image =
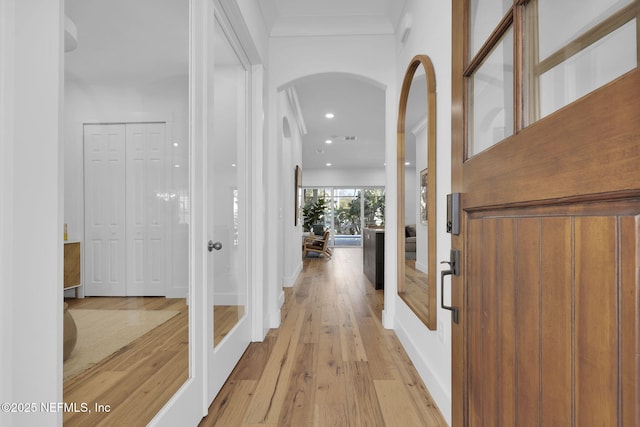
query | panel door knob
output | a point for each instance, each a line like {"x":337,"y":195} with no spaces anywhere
{"x":217,"y":246}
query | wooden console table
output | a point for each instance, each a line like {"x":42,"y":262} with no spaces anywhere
{"x":373,"y":256}
{"x":72,"y":277}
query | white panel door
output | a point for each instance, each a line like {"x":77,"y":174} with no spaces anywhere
{"x":147,"y":182}
{"x":104,"y":181}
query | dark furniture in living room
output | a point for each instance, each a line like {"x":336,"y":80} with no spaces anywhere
{"x":373,"y":256}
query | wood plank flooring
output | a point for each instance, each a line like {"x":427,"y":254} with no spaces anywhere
{"x":225,"y":318}
{"x":331,"y":363}
{"x":137,"y":380}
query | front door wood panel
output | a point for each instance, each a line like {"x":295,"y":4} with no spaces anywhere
{"x":551,"y":312}
{"x":550,"y":262}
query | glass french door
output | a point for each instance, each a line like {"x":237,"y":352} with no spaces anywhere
{"x":227,"y":168}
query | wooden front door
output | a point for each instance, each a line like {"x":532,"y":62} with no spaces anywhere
{"x":548,"y":333}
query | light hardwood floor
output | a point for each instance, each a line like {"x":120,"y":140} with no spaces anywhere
{"x":137,"y":380}
{"x":331,"y":363}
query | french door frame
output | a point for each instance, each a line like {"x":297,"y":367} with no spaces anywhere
{"x":179,"y":409}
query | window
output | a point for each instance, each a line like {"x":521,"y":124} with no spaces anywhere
{"x":530,"y":58}
{"x":344,"y":211}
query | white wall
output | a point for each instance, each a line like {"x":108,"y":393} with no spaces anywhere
{"x":331,"y":177}
{"x":164,"y":100}
{"x":291,"y":149}
{"x":6,"y":200}
{"x":256,"y":30}
{"x":30,"y":207}
{"x":431,"y":35}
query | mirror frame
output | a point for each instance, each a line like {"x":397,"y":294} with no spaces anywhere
{"x":419,"y":60}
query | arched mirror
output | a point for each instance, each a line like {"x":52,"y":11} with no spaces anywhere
{"x":417,"y":190}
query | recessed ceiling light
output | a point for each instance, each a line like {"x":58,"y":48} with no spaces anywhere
{"x":407,"y":163}
{"x":328,"y":164}
{"x":328,"y":141}
{"x":176,"y":166}
{"x":175,"y":144}
{"x":233,"y":165}
{"x":329,"y":115}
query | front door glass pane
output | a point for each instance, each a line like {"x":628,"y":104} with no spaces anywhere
{"x":575,"y":47}
{"x":485,"y":16}
{"x":589,"y":69}
{"x":560,"y":22}
{"x":491,"y":98}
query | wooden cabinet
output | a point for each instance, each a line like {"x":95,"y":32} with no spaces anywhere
{"x":72,"y":265}
{"x":373,"y":256}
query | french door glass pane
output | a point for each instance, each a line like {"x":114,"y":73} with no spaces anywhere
{"x":560,"y":22}
{"x":227,"y":192}
{"x":491,"y":98}
{"x":133,"y":251}
{"x":484,"y":17}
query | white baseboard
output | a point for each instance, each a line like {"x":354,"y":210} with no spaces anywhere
{"x":275,"y":319}
{"x":441,"y":397}
{"x":422,"y":267}
{"x":289,"y":281}
{"x":177,"y":293}
{"x":281,"y":299}
{"x":387,"y":319}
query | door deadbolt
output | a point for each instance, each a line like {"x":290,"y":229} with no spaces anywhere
{"x":211,"y":246}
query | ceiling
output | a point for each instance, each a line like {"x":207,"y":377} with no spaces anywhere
{"x":152,"y":43}
{"x":313,"y":17}
{"x":128,"y":40}
{"x":359,"y":107}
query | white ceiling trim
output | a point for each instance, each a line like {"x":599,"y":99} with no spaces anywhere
{"x":292,"y":96}
{"x":311,"y":26}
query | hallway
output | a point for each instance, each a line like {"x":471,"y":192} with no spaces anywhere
{"x":331,"y":363}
